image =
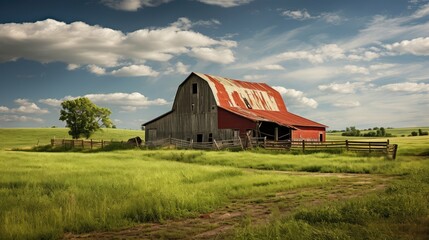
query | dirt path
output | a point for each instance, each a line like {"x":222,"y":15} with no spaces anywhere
{"x":258,"y":210}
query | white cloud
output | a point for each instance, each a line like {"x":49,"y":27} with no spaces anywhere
{"x":132,"y":5}
{"x":253,"y":77}
{"x":72,"y":67}
{"x":134,"y":71}
{"x":4,"y":109}
{"x":218,"y":55}
{"x":16,"y":118}
{"x":181,"y":68}
{"x":134,"y":99}
{"x":128,"y":109}
{"x":297,"y":15}
{"x":96,"y":70}
{"x":52,"y":101}
{"x":340,"y":87}
{"x":297,"y":96}
{"x":332,"y":18}
{"x":313,"y":74}
{"x":422,"y":11}
{"x":382,"y":28}
{"x":25,"y":107}
{"x":347,"y":104}
{"x":417,"y":46}
{"x":226,"y":3}
{"x":96,"y":47}
{"x":356,"y":69}
{"x":270,"y":67}
{"x":302,"y":15}
{"x":409,"y":87}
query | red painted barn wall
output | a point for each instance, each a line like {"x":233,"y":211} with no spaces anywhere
{"x":228,"y":120}
{"x":309,"y":134}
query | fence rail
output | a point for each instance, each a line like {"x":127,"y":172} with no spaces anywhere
{"x":356,"y":146}
{"x":183,"y":144}
{"x":81,"y":143}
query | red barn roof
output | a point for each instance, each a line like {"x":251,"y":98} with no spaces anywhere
{"x":255,"y":101}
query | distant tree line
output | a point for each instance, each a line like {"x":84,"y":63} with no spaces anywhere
{"x":374,"y":132}
{"x":420,"y":133}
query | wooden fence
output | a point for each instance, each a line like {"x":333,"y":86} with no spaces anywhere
{"x":183,"y":144}
{"x":357,"y":146}
{"x":84,"y":144}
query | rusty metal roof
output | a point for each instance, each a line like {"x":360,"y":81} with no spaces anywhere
{"x":256,"y":101}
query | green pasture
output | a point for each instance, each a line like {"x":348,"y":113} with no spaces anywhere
{"x":45,"y":195}
{"x":29,"y":137}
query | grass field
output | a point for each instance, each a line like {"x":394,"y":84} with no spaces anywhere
{"x":246,"y":195}
{"x":29,"y":137}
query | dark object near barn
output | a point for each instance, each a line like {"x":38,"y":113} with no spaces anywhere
{"x":137,"y":141}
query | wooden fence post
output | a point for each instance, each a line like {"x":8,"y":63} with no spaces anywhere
{"x":191,"y":143}
{"x":265,"y":142}
{"x":102,"y":143}
{"x":91,"y":144}
{"x":347,"y":145}
{"x":215,"y":143}
{"x":52,"y":142}
{"x":241,"y":143}
{"x":395,"y":148}
{"x":83,"y":144}
{"x":303,"y":146}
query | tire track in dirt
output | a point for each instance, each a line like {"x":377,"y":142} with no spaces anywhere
{"x":259,"y":210}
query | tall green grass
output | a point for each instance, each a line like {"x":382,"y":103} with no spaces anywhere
{"x":400,"y":212}
{"x":44,"y":195}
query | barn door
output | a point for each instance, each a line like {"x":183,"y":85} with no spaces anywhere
{"x":152,"y":134}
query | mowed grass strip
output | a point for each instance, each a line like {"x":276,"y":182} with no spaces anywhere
{"x":44,"y":195}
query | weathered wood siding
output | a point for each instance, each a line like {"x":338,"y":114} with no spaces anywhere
{"x":193,"y":114}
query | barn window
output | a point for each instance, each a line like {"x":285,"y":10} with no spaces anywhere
{"x":236,"y":133}
{"x":210,"y":137}
{"x":247,"y":103}
{"x":199,"y":137}
{"x":194,"y":88}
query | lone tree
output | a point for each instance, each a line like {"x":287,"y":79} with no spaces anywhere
{"x":83,"y":117}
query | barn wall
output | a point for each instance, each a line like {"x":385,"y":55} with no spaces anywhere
{"x":228,"y":120}
{"x":192,"y":114}
{"x":309,"y":134}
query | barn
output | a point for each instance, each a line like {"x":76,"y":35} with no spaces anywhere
{"x":208,"y":107}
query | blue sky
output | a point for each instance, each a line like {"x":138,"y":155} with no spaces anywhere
{"x":341,"y":63}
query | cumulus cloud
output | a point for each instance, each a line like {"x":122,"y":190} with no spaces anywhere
{"x":297,"y":15}
{"x":340,"y":87}
{"x":356,"y":69}
{"x":410,"y":87}
{"x":99,"y":48}
{"x":347,"y":104}
{"x":218,"y":55}
{"x":134,"y":99}
{"x":25,"y":107}
{"x":181,"y":68}
{"x":134,"y":71}
{"x":297,"y":96}
{"x":16,"y":118}
{"x":417,"y":46}
{"x":132,"y":5}
{"x":226,"y":3}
